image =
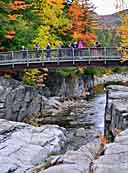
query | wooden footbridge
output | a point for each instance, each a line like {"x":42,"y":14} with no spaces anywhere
{"x":65,"y":57}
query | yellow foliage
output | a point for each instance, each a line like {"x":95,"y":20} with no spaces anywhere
{"x":45,"y":74}
{"x":108,"y":71}
{"x":81,"y":70}
{"x":35,"y":77}
{"x":53,"y":20}
{"x":45,"y":69}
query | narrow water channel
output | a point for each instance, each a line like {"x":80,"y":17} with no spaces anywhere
{"x":93,"y":115}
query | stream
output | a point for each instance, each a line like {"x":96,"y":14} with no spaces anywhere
{"x":94,"y":115}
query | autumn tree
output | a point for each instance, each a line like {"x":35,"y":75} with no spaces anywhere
{"x":53,"y":21}
{"x":4,"y":10}
{"x":124,"y":36}
{"x":123,"y":29}
{"x":18,"y":24}
{"x":83,"y":24}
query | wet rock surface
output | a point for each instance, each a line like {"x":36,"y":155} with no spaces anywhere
{"x":28,"y":100}
{"x":116,"y":113}
{"x":115,"y":159}
{"x":92,"y":116}
{"x":82,"y":119}
{"x":23,"y":146}
{"x":73,"y":161}
{"x":67,"y":113}
{"x":70,"y":85}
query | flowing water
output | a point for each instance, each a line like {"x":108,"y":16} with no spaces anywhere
{"x":93,"y":115}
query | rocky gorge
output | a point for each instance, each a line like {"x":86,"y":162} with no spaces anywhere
{"x":22,"y":146}
{"x":54,"y":149}
{"x":98,"y":158}
{"x":28,"y":100}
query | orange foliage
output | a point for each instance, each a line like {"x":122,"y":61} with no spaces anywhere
{"x":13,"y":16}
{"x":19,"y":5}
{"x":87,"y":37}
{"x":11,"y":32}
{"x":75,"y":11}
{"x":103,"y":140}
{"x":9,"y":36}
{"x":80,"y":17}
{"x":19,"y":2}
{"x":15,"y":7}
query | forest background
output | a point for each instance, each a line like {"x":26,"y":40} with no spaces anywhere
{"x":28,"y":22}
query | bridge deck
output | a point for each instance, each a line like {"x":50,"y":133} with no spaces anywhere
{"x":65,"y":57}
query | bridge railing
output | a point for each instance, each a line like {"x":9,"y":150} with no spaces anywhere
{"x":64,"y":54}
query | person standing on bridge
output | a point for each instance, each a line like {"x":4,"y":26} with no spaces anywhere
{"x":98,"y":49}
{"x":95,"y":52}
{"x":48,"y":50}
{"x":75,"y":46}
{"x":60,"y":50}
{"x":69,"y":50}
{"x":97,"y":44}
{"x":37,"y":47}
{"x":24,"y":52}
{"x":80,"y":47}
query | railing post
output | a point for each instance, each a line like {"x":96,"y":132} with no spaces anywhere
{"x":42,"y":57}
{"x":58,"y":60}
{"x":27,"y":53}
{"x":64,"y":53}
{"x":73,"y":56}
{"x":89,"y":50}
{"x":105,"y":55}
{"x":12,"y":54}
{"x":27,"y":58}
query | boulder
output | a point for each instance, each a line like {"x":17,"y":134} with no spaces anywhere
{"x":23,"y":146}
{"x":18,"y":100}
{"x":53,"y":102}
{"x":75,"y":161}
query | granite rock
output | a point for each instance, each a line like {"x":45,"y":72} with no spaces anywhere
{"x":23,"y":146}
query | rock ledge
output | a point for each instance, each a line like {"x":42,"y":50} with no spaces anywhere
{"x":23,"y":146}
